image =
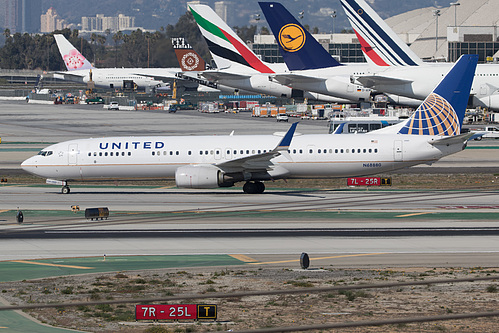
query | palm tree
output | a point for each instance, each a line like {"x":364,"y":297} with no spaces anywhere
{"x":116,"y":38}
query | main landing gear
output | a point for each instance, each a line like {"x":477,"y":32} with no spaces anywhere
{"x":65,"y":189}
{"x":254,"y":187}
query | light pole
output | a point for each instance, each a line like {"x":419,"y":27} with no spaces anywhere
{"x":257,"y":19}
{"x":301,"y":14}
{"x":436,"y":13}
{"x":333,"y":15}
{"x":455,"y":4}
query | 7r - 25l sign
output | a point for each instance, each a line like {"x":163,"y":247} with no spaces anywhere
{"x":176,"y":312}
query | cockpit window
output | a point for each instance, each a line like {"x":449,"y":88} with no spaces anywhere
{"x":45,"y":152}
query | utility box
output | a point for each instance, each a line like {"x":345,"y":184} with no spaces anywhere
{"x":96,"y":213}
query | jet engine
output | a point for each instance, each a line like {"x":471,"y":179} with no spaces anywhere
{"x":201,"y":176}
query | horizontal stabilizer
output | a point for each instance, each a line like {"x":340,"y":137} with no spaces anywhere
{"x":289,"y":79}
{"x":217,"y":75}
{"x":370,"y":81}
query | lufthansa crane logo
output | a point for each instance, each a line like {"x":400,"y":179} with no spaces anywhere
{"x":292,"y":37}
{"x":190,"y":61}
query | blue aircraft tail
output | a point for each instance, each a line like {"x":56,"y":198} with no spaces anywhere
{"x":442,"y":112}
{"x":298,"y":48}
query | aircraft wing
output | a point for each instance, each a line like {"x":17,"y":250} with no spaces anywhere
{"x":370,"y":81}
{"x":218,"y":75}
{"x":159,"y":77}
{"x":289,"y":79}
{"x":260,"y":162}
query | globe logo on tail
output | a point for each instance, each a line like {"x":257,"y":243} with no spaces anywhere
{"x":434,"y":117}
{"x":291,"y":37}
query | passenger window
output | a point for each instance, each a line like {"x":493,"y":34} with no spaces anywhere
{"x":259,"y":151}
{"x":176,"y":153}
{"x":89,"y":154}
{"x":294,"y":151}
{"x":153,"y":153}
{"x":370,"y":150}
{"x":129,"y":153}
{"x":347,"y":151}
{"x":189,"y":152}
{"x":105,"y":154}
{"x":364,"y":151}
{"x":122,"y":153}
{"x":301,"y":151}
{"x":310,"y":151}
{"x":376,"y":150}
{"x":336,"y":151}
{"x":95,"y":154}
{"x":200,"y":152}
{"x":171,"y":153}
{"x":100,"y":154}
{"x":247,"y":151}
{"x":111,"y":154}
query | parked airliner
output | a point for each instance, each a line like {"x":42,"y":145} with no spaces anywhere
{"x":79,"y":69}
{"x":310,"y":66}
{"x":239,"y":67}
{"x":398,"y":70}
{"x":432,"y":132}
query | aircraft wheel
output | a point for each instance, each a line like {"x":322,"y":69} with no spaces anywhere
{"x":65,"y":190}
{"x":260,"y":187}
{"x":250,"y":188}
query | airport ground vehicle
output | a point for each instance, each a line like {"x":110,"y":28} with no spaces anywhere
{"x":95,"y":100}
{"x":282,"y":117}
{"x":492,"y":132}
{"x":113,"y":106}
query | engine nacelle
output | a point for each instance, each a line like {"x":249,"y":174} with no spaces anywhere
{"x":200,"y":176}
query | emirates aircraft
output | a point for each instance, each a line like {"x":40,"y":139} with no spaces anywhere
{"x":398,"y":70}
{"x":239,"y":67}
{"x":79,"y":69}
{"x":432,"y":132}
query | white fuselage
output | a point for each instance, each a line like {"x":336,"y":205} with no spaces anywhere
{"x":322,"y":155}
{"x":114,"y":77}
{"x":425,"y":77}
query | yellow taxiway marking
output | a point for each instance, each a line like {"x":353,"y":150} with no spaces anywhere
{"x":413,"y":214}
{"x":3,"y":211}
{"x":321,"y":258}
{"x":47,"y":264}
{"x":242,"y":257}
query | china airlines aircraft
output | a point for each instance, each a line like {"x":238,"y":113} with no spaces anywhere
{"x":79,"y":70}
{"x":432,"y":132}
{"x":398,"y":70}
{"x":239,"y":67}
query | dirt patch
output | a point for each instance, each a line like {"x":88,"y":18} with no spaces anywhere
{"x":267,"y":311}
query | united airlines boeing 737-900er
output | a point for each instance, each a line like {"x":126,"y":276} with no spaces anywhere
{"x":432,"y":132}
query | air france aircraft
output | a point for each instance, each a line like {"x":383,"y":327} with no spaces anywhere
{"x":79,"y":69}
{"x":239,"y":67}
{"x":398,"y":70}
{"x":432,"y":132}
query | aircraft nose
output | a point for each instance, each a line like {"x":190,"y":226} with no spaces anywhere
{"x":29,"y":165}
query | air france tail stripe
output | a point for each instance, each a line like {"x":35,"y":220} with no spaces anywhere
{"x":365,"y":30}
{"x":381,"y":33}
{"x":369,"y":51}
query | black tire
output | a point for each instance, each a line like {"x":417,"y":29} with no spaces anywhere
{"x":65,"y":190}
{"x":260,"y":187}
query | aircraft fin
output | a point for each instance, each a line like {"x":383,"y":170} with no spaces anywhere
{"x":380,"y":44}
{"x":297,"y":46}
{"x":73,"y":59}
{"x":188,"y":59}
{"x":226,"y":48}
{"x":442,"y":112}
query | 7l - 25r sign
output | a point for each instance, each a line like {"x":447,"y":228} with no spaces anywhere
{"x":369,"y":181}
{"x":175,"y":312}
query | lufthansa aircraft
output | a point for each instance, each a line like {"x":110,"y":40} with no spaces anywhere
{"x":432,"y":132}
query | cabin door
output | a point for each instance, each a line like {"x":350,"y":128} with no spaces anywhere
{"x":398,"y":154}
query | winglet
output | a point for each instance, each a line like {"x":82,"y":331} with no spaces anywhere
{"x":73,"y":59}
{"x":297,"y":46}
{"x":286,"y":140}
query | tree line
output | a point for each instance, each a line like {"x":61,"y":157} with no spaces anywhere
{"x":137,"y":49}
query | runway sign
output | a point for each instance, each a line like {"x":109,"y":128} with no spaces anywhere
{"x":175,"y":312}
{"x":369,"y":181}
